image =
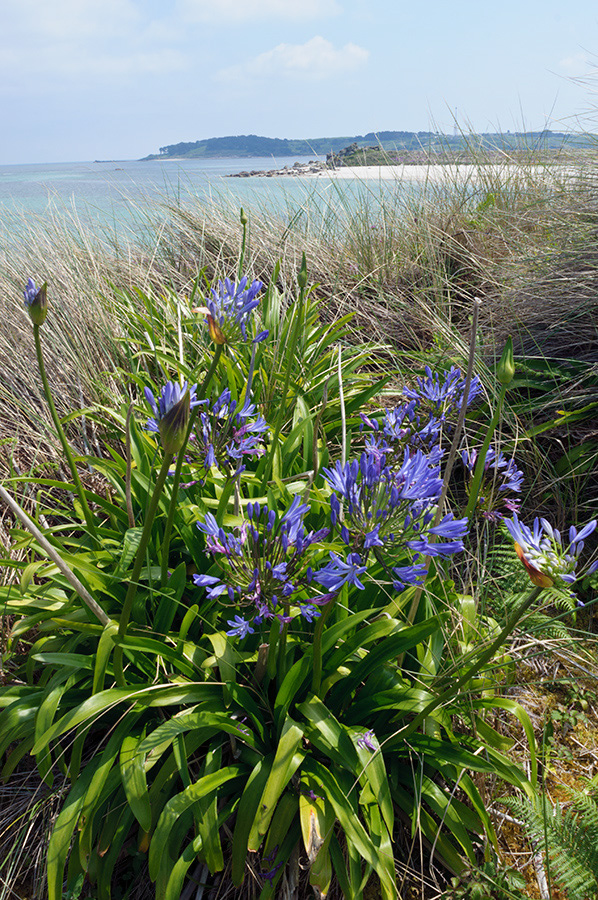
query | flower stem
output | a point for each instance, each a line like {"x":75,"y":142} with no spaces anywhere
{"x":452,"y":453}
{"x":290,"y":355}
{"x":243,"y":243}
{"x":60,"y":432}
{"x":179,"y":465}
{"x":138,"y":565}
{"x":273,"y":642}
{"x":316,"y":682}
{"x":474,"y":487}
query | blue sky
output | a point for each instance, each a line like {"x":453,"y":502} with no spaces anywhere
{"x":117,"y":79}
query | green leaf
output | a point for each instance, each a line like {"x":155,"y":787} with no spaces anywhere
{"x":62,"y":832}
{"x":286,"y":762}
{"x":403,"y":639}
{"x":246,"y":814}
{"x":105,"y":647}
{"x":178,"y":804}
{"x":132,"y":771}
{"x":340,"y":744}
{"x":517,"y":710}
{"x":130,"y":545}
{"x":355,"y":832}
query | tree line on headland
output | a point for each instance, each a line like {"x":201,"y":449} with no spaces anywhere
{"x":251,"y":145}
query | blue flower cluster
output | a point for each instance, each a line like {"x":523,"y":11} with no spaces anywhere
{"x":501,"y":475}
{"x":390,"y":511}
{"x":420,"y":422}
{"x":171,"y":414}
{"x":170,"y":395}
{"x":30,"y":292}
{"x":36,"y":301}
{"x":265,"y":566}
{"x":225,"y":434}
{"x":228,"y":310}
{"x":443,"y":394}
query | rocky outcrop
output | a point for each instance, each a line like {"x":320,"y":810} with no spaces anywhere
{"x":309,"y":168}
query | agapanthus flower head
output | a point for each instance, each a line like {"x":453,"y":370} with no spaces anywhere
{"x":390,"y":511}
{"x":267,"y":567}
{"x":548,"y":560}
{"x":36,"y":301}
{"x":443,"y":393}
{"x":501,"y":476}
{"x":226,"y":434}
{"x":403,"y":426}
{"x":228,"y":311}
{"x":366,"y":741}
{"x":171,"y":413}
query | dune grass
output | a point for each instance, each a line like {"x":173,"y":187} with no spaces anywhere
{"x":407,"y":261}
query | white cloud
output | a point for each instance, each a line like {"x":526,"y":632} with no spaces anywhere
{"x":315,"y":60}
{"x":578,"y":64}
{"x":233,"y":12}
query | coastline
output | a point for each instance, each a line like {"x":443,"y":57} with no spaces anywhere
{"x":420,"y":172}
{"x":434,"y":172}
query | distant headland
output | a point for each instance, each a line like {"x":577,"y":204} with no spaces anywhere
{"x":398,"y":145}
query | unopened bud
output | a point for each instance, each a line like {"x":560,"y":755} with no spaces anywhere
{"x":302,"y":275}
{"x":215,"y":330}
{"x":173,"y":425}
{"x":36,"y":302}
{"x":243,"y":217}
{"x":505,"y":371}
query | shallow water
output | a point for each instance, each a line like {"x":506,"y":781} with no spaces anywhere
{"x":113,"y":193}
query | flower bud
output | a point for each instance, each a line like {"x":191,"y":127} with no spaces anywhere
{"x":243,"y":217}
{"x":36,"y":302}
{"x":302,"y":274}
{"x":173,"y":425}
{"x":505,"y":371}
{"x":215,"y":330}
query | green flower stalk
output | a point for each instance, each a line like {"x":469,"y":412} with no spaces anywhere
{"x":297,"y":328}
{"x":505,"y":372}
{"x":179,"y":463}
{"x":36,"y":303}
{"x":243,"y":220}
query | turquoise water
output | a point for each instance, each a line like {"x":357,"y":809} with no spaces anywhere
{"x":112,"y":193}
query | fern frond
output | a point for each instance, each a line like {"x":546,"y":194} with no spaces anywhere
{"x":568,"y":840}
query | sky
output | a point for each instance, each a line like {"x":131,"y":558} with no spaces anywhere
{"x":117,"y":79}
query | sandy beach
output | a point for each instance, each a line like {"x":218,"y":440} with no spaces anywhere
{"x":423,"y":173}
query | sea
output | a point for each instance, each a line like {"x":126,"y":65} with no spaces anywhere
{"x":114,"y":193}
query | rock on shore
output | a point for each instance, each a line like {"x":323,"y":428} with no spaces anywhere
{"x":309,"y":168}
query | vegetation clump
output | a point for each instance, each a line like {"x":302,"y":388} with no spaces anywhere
{"x":256,"y":634}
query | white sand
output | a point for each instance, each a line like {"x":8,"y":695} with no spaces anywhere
{"x":433,"y":173}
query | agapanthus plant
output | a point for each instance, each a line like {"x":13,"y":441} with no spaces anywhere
{"x":228,"y":311}
{"x":390,"y":512}
{"x":500,"y":477}
{"x":548,"y":560}
{"x":401,"y":427}
{"x":266,"y":567}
